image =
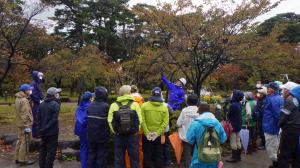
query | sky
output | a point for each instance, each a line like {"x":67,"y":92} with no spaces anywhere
{"x":283,"y":7}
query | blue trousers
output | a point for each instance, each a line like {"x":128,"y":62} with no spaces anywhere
{"x":129,"y":143}
{"x":83,"y":151}
{"x":35,"y":127}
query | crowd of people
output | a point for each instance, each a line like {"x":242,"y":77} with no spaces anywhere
{"x":140,"y":128}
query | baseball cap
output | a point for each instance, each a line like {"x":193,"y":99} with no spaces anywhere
{"x":156,"y":95}
{"x":273,"y":86}
{"x":87,"y":95}
{"x":25,"y":87}
{"x":53,"y":91}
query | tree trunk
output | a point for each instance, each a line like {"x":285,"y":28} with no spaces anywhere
{"x":58,"y":81}
{"x":197,"y":88}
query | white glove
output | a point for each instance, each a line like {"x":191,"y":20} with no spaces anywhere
{"x":27,"y":130}
{"x":41,"y":101}
{"x":149,"y":137}
{"x":154,"y":136}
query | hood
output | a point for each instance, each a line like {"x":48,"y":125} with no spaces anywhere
{"x":207,"y":119}
{"x":296,"y":93}
{"x":21,"y":95}
{"x":101,"y":94}
{"x":125,"y":98}
{"x":237,"y":96}
{"x":83,"y":105}
{"x":35,"y":76}
{"x":155,"y":103}
{"x":50,"y":98}
{"x":191,"y":111}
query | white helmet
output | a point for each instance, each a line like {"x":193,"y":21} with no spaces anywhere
{"x":183,"y":81}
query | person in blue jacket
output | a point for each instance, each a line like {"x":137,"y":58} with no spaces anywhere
{"x":234,"y":116}
{"x":81,"y":126}
{"x":274,"y":105}
{"x":176,"y":92}
{"x":36,"y":99}
{"x":196,"y":131}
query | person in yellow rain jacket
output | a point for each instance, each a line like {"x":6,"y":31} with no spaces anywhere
{"x":124,"y":118}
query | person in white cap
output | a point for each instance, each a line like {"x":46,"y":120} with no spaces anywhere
{"x":287,"y":87}
{"x":176,"y":92}
{"x":48,"y":127}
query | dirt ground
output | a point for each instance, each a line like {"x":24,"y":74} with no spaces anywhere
{"x":257,"y":160}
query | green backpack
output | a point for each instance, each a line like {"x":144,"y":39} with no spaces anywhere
{"x":209,"y":149}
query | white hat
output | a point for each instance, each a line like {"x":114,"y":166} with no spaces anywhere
{"x":263,"y":90}
{"x":289,"y":85}
{"x":183,"y":81}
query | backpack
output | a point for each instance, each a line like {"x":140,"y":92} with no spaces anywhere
{"x":209,"y":149}
{"x":125,"y":120}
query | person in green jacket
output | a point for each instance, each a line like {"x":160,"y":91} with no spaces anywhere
{"x":155,"y":117}
{"x":248,"y":120}
{"x":124,"y":118}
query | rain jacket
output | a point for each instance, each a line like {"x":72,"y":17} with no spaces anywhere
{"x":290,"y":114}
{"x":36,"y":98}
{"x":123,"y":100}
{"x":23,"y":111}
{"x":176,"y":94}
{"x":186,"y":117}
{"x":81,"y":119}
{"x":138,"y":98}
{"x":37,"y":94}
{"x":98,"y":129}
{"x":48,"y":116}
{"x":235,"y":110}
{"x":196,"y":131}
{"x":155,"y":117}
{"x":273,"y":106}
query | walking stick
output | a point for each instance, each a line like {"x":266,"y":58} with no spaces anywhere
{"x":26,"y":141}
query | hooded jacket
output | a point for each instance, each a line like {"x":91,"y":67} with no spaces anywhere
{"x":235,"y":110}
{"x":273,"y":106}
{"x":176,"y":94}
{"x":48,"y":116}
{"x":97,"y":125}
{"x":155,"y":117}
{"x":81,"y":118}
{"x":37,"y":94}
{"x":185,"y":119}
{"x":23,"y":111}
{"x":123,"y":100}
{"x":196,"y":131}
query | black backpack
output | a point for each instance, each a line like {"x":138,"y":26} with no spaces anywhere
{"x":125,"y":121}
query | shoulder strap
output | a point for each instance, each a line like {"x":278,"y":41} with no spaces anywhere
{"x":128,"y":104}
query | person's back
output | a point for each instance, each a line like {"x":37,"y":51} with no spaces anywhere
{"x":187,"y":116}
{"x":98,"y":130}
{"x":48,"y":127}
{"x":196,"y":131}
{"x":155,"y":115}
{"x":48,"y":116}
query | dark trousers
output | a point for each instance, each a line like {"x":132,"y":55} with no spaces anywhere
{"x":166,"y":152}
{"x":98,"y":153}
{"x":48,"y":151}
{"x":187,"y":154}
{"x":261,"y":134}
{"x":35,"y":126}
{"x":83,"y":151}
{"x":289,"y":148}
{"x":129,"y":143}
{"x":153,"y":152}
